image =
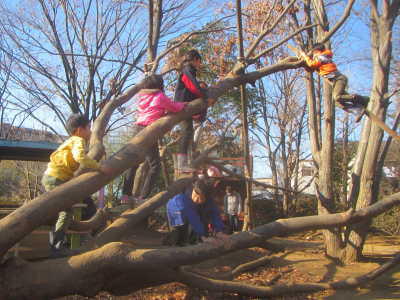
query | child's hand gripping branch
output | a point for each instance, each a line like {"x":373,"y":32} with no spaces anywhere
{"x":204,"y":86}
{"x":220,"y":239}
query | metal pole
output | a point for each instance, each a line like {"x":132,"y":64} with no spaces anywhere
{"x":245,"y":126}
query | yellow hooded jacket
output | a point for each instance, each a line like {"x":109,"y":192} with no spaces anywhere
{"x":67,"y":159}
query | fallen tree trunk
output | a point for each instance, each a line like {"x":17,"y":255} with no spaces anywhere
{"x":119,"y":269}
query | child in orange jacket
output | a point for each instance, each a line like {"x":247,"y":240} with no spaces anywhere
{"x":321,"y":61}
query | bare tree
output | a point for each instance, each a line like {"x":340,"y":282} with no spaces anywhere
{"x":108,"y":263}
{"x":280,"y":127}
{"x":366,"y":168}
{"x":70,"y":56}
{"x":322,"y":137}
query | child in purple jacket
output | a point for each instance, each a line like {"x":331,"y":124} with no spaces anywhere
{"x":152,"y":104}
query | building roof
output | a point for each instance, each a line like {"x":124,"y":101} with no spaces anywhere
{"x":21,"y":143}
{"x":26,"y":150}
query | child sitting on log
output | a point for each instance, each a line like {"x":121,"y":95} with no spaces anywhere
{"x":63,"y":163}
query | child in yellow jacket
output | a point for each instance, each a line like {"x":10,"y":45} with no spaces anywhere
{"x":63,"y":163}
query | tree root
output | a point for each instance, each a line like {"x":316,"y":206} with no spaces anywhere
{"x":198,"y":281}
{"x":250,"y":265}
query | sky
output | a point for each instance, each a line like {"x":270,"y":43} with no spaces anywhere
{"x":350,"y":46}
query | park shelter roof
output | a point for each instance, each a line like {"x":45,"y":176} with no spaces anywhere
{"x":26,"y":150}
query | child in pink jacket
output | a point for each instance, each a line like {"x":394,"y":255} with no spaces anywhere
{"x":152,"y":104}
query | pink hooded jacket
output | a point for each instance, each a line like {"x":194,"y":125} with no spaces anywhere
{"x":153,"y":104}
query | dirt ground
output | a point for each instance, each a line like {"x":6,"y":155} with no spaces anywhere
{"x":302,"y":261}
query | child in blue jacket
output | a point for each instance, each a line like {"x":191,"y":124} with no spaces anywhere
{"x":194,"y":208}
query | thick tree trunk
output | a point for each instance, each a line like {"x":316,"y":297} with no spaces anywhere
{"x":275,"y":182}
{"x":325,"y":196}
{"x":139,"y":179}
{"x":381,"y":39}
{"x":325,"y":181}
{"x":345,"y":162}
{"x":322,"y":152}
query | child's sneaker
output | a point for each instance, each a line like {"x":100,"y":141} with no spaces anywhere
{"x":125,"y":199}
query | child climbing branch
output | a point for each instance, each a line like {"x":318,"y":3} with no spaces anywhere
{"x":188,"y":89}
{"x":321,"y":60}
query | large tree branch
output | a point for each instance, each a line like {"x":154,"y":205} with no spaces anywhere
{"x":341,"y":21}
{"x":118,"y":268}
{"x":97,"y":221}
{"x":100,"y":125}
{"x":282,"y":227}
{"x":111,"y":268}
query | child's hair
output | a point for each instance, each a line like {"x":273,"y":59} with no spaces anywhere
{"x":189,"y":56}
{"x":200,"y":186}
{"x":318,"y":47}
{"x":76,"y":121}
{"x":228,"y":188}
{"x":153,"y":82}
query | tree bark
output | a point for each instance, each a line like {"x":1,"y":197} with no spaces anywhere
{"x":325,"y":181}
{"x":323,"y":149}
{"x":381,"y":40}
{"x":120,"y":269}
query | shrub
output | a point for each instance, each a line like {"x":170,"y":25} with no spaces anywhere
{"x":389,"y":221}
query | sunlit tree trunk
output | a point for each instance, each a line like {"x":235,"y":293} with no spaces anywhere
{"x":382,"y":20}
